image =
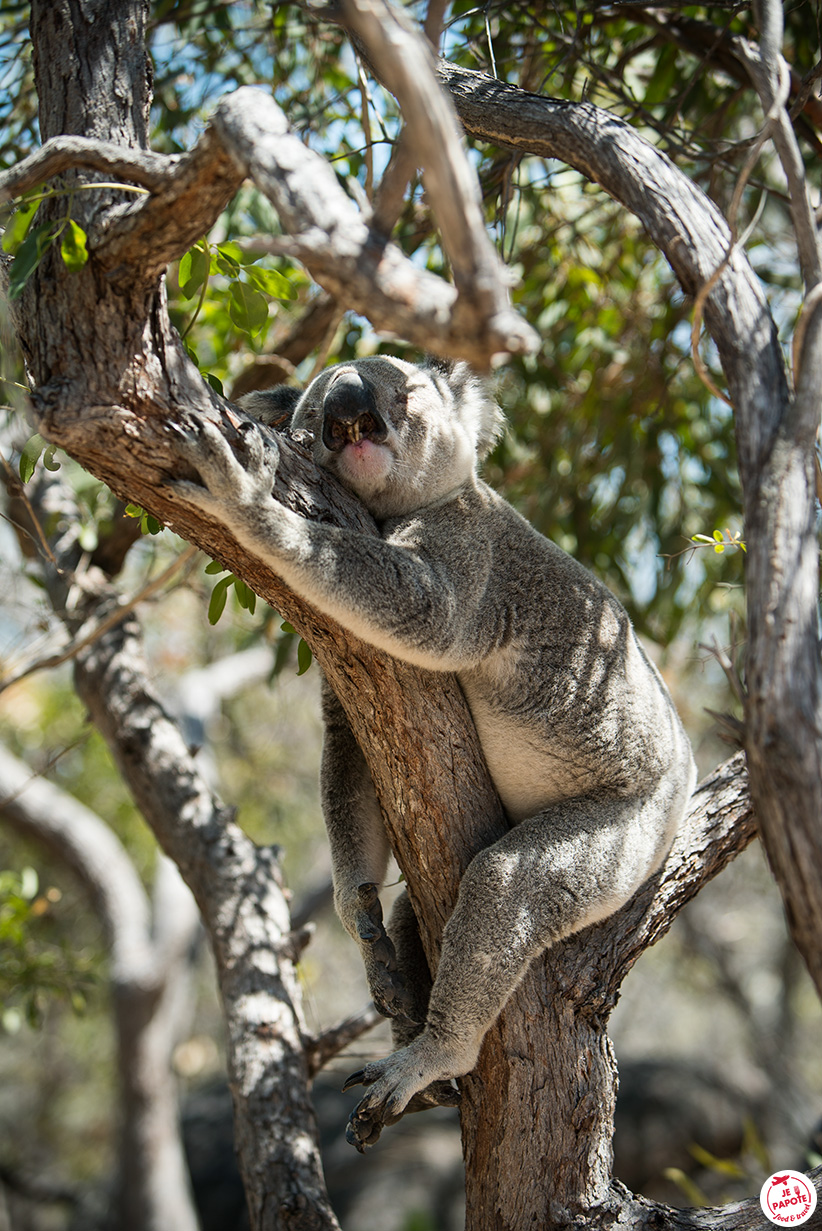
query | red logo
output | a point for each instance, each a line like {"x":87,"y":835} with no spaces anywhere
{"x":788,"y":1199}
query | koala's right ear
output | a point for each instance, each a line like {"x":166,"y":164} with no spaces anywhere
{"x":274,"y":407}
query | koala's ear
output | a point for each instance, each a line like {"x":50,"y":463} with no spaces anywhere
{"x":274,"y":407}
{"x":474,"y":404}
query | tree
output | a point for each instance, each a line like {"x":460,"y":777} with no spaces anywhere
{"x":109,"y":381}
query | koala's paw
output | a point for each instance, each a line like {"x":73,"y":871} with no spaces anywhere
{"x":242,"y":480}
{"x":405,"y":1082}
{"x":390,"y":993}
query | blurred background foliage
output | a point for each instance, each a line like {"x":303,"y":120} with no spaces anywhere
{"x":616,"y":449}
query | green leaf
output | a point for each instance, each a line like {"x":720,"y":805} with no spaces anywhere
{"x":234,"y":254}
{"x":73,"y":246}
{"x":283,"y":651}
{"x":29,"y":883}
{"x":29,"y":255}
{"x":721,"y":1166}
{"x":223,"y":262}
{"x":49,"y":460}
{"x":270,"y":282}
{"x":194,"y":270}
{"x":248,"y":308}
{"x":215,"y":382}
{"x":245,"y":595}
{"x":219,"y":594}
{"x":32,"y":449}
{"x":660,"y":85}
{"x":18,"y":228}
{"x":148,"y":524}
{"x":304,"y":657}
{"x":214,"y":567}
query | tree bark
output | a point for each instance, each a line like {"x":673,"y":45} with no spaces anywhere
{"x":111,"y":381}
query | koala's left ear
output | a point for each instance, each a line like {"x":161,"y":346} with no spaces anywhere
{"x":472,"y":401}
{"x":274,"y":407}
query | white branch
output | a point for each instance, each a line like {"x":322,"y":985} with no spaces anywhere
{"x":403,"y":61}
{"x":40,"y":810}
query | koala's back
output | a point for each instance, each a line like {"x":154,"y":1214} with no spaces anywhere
{"x":564,"y":699}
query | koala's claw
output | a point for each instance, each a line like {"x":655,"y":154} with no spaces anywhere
{"x":389,"y":990}
{"x":223,"y":479}
{"x":356,"y":1079}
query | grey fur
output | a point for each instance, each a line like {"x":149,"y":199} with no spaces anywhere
{"x":578,"y":730}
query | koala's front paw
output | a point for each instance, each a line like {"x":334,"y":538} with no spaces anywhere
{"x":409,"y":1080}
{"x":227,"y":481}
{"x":389,"y":991}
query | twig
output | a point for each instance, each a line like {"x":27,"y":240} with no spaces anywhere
{"x":14,"y":484}
{"x":366,"y":128}
{"x":402,"y":59}
{"x":60,"y":154}
{"x":324,"y":1047}
{"x":100,"y":627}
{"x":704,"y":291}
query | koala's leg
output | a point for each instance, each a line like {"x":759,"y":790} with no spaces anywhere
{"x":572,"y":865}
{"x":359,"y":856}
{"x":411,"y":960}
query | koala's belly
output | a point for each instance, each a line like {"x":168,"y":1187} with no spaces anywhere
{"x":528,"y":774}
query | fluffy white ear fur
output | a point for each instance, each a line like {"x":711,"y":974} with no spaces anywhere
{"x":480,"y":413}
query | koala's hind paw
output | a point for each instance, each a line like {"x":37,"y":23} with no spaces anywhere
{"x":365,"y":1124}
{"x":389,"y":991}
{"x":399,"y":1085}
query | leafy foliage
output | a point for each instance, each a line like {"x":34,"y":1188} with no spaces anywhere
{"x":37,"y":961}
{"x":616,"y":449}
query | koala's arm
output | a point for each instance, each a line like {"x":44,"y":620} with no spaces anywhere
{"x":416,"y":596}
{"x":359,"y":856}
{"x":359,"y":845}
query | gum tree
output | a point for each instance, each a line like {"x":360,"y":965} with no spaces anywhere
{"x":110,"y":381}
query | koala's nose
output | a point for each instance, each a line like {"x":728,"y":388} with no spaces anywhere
{"x":350,"y":413}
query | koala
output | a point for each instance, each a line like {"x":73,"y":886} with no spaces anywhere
{"x":578,"y":730}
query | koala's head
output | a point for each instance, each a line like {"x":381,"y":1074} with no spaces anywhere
{"x":398,"y":435}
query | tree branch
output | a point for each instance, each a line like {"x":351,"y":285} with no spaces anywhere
{"x":248,"y":134}
{"x":79,"y":839}
{"x":352,"y":261}
{"x":771,"y":78}
{"x":65,"y":153}
{"x":402,"y":59}
{"x":148,"y":977}
{"x":784,"y":709}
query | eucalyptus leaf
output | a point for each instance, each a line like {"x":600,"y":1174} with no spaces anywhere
{"x":29,"y":255}
{"x":193,"y":272}
{"x":248,"y":307}
{"x":73,"y":246}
